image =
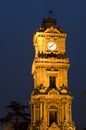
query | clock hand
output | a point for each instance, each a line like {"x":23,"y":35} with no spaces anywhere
{"x":51,"y":45}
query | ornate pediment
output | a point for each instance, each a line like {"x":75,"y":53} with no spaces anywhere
{"x":53,"y":92}
{"x":52,"y":30}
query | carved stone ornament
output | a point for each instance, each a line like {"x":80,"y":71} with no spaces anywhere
{"x":52,"y":30}
{"x":54,"y":126}
{"x":53,"y":92}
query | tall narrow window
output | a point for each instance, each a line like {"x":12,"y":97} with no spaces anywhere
{"x":52,"y":117}
{"x":52,"y":81}
{"x":53,"y":114}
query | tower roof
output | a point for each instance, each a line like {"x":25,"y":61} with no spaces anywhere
{"x":49,"y":22}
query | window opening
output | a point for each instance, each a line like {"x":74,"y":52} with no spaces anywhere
{"x":52,"y":81}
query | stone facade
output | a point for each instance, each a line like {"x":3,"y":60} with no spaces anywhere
{"x":51,"y":99}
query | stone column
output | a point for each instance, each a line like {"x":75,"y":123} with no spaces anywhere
{"x":34,"y":112}
{"x":40,"y":110}
{"x":70,"y":112}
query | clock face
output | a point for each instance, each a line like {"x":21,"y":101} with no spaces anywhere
{"x":51,"y":46}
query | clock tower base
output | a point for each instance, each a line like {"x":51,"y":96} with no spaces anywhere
{"x":50,"y":110}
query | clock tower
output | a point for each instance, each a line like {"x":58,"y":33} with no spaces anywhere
{"x":51,"y":100}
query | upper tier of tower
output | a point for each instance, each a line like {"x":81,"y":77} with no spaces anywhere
{"x":50,"y":60}
{"x":49,"y":40}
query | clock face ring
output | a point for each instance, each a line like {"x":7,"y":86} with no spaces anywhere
{"x":51,"y":46}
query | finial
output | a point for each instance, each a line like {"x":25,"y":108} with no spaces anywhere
{"x":50,"y":13}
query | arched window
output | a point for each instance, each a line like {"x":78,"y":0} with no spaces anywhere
{"x":52,"y":115}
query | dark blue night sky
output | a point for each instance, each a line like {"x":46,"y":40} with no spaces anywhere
{"x":19,"y":20}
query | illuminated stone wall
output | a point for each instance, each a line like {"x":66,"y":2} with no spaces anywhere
{"x":51,"y":99}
